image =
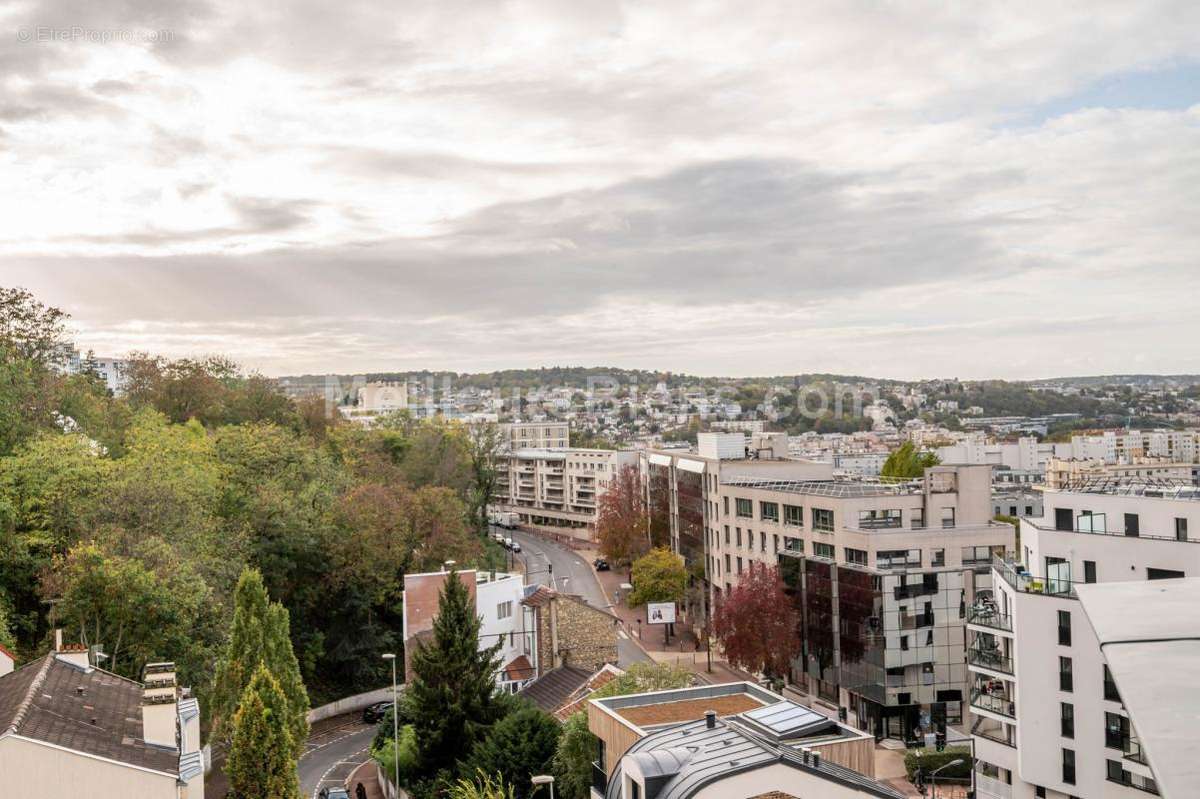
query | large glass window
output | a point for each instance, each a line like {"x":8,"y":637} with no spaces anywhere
{"x":1068,"y":766}
{"x":769,"y":511}
{"x":976,"y":556}
{"x":793,"y":515}
{"x":793,"y":544}
{"x":745,"y":508}
{"x":897,"y":558}
{"x":856,"y":556}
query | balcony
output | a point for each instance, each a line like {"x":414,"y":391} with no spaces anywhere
{"x":991,"y":788}
{"x":994,"y":703}
{"x":987,"y":616}
{"x":1132,"y":750}
{"x":1021,"y":580}
{"x":599,"y":778}
{"x":989,"y":658}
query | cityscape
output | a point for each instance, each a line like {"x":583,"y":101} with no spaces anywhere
{"x":520,"y":400}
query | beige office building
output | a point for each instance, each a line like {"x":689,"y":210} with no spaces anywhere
{"x":558,"y":490}
{"x":535,"y":435}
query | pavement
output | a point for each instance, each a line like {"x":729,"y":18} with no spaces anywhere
{"x":335,"y":748}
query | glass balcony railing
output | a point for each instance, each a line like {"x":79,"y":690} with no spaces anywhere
{"x":989,"y":658}
{"x":1132,"y":750}
{"x":996,"y":703}
{"x":987,"y":616}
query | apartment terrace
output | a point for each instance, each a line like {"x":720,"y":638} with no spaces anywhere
{"x":1162,"y":488}
{"x":849,"y":489}
{"x":1021,"y":580}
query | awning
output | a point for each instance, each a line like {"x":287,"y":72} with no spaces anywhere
{"x":691,"y":466}
{"x":660,"y":460}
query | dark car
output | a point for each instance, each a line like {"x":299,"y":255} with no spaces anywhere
{"x":373,"y":714}
{"x":601,"y":564}
{"x":333,"y":793}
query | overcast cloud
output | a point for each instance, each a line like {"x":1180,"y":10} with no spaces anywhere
{"x":899,"y":190}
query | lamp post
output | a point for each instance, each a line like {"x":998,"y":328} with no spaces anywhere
{"x":545,"y":779}
{"x":958,"y":761}
{"x":395,"y":718}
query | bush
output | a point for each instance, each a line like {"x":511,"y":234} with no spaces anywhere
{"x":930,"y":759}
{"x":385,"y":753}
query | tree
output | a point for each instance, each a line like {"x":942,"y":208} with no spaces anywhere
{"x":262,"y":760}
{"x":30,"y":330}
{"x":519,"y":746}
{"x":483,"y":445}
{"x":286,"y":670}
{"x":906,"y":463}
{"x":452,"y":692}
{"x":658,"y":576}
{"x":483,"y":786}
{"x":757,"y":625}
{"x":622,"y":519}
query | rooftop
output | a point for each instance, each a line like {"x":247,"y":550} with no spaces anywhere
{"x":85,"y":710}
{"x":1159,"y":488}
{"x":1149,"y":632}
{"x":831,"y":488}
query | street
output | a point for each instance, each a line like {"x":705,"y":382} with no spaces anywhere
{"x":333,"y":753}
{"x":572,"y":575}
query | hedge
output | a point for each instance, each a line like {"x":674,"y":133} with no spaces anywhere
{"x":931,"y":759}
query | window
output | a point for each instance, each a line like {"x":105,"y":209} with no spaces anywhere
{"x":1089,"y":571}
{"x":775,"y":543}
{"x":1181,"y":529}
{"x":762,"y":541}
{"x":897,"y":558}
{"x":1132,"y":525}
{"x":504,"y":610}
{"x":793,"y":515}
{"x":878,"y":519}
{"x":1012,"y":510}
{"x":1066,"y":677}
{"x":823,"y":550}
{"x":822,"y":519}
{"x":918,"y":518}
{"x":1068,"y":763}
{"x":1110,"y":687}
{"x":1028,"y":510}
{"x":1067,"y":718}
{"x":856,"y":556}
{"x":1064,"y":628}
{"x":745,"y":508}
{"x":976,"y":556}
{"x":727,"y":535}
{"x":727,"y":569}
{"x":1116,"y":731}
{"x":739,"y":565}
{"x":738,"y":532}
{"x":947,"y":517}
{"x":1163,"y":574}
{"x":768,"y":511}
{"x":1064,"y":519}
{"x":939,"y":558}
{"x":793,"y":544}
{"x":904,"y":643}
{"x":726,"y":505}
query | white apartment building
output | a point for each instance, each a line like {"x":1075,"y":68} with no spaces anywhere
{"x":1024,"y":454}
{"x":536,"y":435}
{"x":881,"y":574}
{"x":558,"y":489}
{"x":1124,"y":446}
{"x":1046,"y":719}
{"x":113,"y":371}
{"x":1061,"y":473}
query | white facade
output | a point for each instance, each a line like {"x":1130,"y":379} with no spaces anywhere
{"x":558,"y":489}
{"x":1123,"y":446}
{"x":536,"y":435}
{"x":721,"y":446}
{"x":504,"y":619}
{"x":1025,"y":454}
{"x":1028,"y":677}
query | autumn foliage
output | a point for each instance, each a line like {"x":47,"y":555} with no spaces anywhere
{"x":757,"y":625}
{"x":622,"y":518}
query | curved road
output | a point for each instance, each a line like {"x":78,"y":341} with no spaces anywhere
{"x":572,"y":575}
{"x":333,"y":753}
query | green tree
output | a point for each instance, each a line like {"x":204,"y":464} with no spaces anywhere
{"x":483,"y":445}
{"x":907,"y":463}
{"x":452,"y":693}
{"x":519,"y":746}
{"x":262,"y":761}
{"x":658,"y":576}
{"x":286,"y":669}
{"x":28,"y":329}
{"x":483,"y":786}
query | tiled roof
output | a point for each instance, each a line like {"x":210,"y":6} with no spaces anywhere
{"x":597,"y":681}
{"x":91,"y":711}
{"x":539,"y":597}
{"x":519,"y":668}
{"x":555,"y":687}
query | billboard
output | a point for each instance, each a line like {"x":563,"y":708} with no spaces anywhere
{"x":660,"y":612}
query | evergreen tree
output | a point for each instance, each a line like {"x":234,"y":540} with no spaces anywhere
{"x":286,"y":669}
{"x":247,"y":641}
{"x":519,"y":746}
{"x":452,"y":694}
{"x":262,"y":763}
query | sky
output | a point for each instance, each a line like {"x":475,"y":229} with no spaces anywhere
{"x":900,"y":190}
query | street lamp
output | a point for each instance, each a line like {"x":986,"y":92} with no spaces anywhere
{"x":395,"y":718}
{"x":545,"y":779}
{"x":958,"y":761}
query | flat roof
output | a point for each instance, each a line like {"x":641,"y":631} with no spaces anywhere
{"x":687,"y":709}
{"x":829,"y":488}
{"x":1149,"y":633}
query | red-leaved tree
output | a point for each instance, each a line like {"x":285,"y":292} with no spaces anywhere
{"x":757,"y":625}
{"x":622,"y":519}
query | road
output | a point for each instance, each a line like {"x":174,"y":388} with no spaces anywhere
{"x":333,"y":753}
{"x":572,"y":575}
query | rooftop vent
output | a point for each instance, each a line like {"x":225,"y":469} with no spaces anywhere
{"x":710,"y":719}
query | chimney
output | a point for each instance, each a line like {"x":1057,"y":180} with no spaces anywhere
{"x":58,"y":639}
{"x":816,"y":759}
{"x":710,"y":719}
{"x":160,"y":706}
{"x":74,"y":654}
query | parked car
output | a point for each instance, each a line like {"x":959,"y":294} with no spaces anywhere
{"x":499,"y":537}
{"x":372,"y":714}
{"x":516,"y":546}
{"x":333,"y":793}
{"x":508,"y":543}
{"x":601,"y":564}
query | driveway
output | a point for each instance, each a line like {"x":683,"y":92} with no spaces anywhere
{"x":571,"y":575}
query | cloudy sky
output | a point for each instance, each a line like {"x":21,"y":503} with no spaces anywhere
{"x":893,"y":189}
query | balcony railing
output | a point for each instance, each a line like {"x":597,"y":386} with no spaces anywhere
{"x":989,"y":659}
{"x":1132,"y":750}
{"x":988,"y":617}
{"x":1021,"y":580}
{"x":995,"y":703}
{"x":599,"y":778}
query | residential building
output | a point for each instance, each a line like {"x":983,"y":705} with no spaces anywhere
{"x":881,"y":574}
{"x":535,"y":435}
{"x":558,"y":490}
{"x":1015,"y":500}
{"x":375,"y":399}
{"x":69,"y":729}
{"x":1147,"y":633}
{"x":1027,"y":453}
{"x":1124,"y":446}
{"x":1033,"y":655}
{"x":1061,"y":473}
{"x":539,"y":629}
{"x":562,"y":692}
{"x":113,"y":371}
{"x":729,"y":740}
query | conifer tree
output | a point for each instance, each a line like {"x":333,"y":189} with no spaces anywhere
{"x":281,"y":660}
{"x":262,"y":763}
{"x":243,"y":653}
{"x":452,"y":694}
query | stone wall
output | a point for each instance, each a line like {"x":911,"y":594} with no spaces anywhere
{"x":580,"y":635}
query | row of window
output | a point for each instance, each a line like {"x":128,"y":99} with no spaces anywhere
{"x":1088,"y":522}
{"x":822,"y":518}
